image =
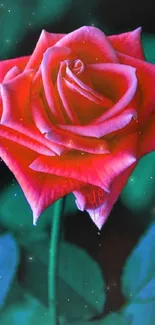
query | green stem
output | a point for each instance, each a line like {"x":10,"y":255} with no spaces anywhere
{"x":53,"y":260}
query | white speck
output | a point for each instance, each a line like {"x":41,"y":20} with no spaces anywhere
{"x":70,"y":143}
{"x":15,"y":194}
{"x":68,"y":299}
{"x":9,"y":10}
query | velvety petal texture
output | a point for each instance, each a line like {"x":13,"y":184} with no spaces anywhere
{"x":7,"y":65}
{"x":97,"y":202}
{"x":40,"y":189}
{"x":75,"y":116}
{"x":129,"y":43}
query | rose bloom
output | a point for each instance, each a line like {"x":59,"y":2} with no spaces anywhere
{"x":76,"y":116}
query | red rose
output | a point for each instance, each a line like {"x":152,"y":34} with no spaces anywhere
{"x":76,"y":116}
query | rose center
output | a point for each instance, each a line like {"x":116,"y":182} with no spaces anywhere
{"x":76,"y":66}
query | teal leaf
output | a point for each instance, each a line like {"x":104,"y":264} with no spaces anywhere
{"x":139,"y":191}
{"x":139,"y":269}
{"x":148,"y":41}
{"x":138,"y":281}
{"x":16,"y":214}
{"x":140,"y":313}
{"x":9,"y":258}
{"x":111,"y":319}
{"x":70,"y":205}
{"x":80,"y":285}
{"x":115,"y":319}
{"x":28,"y":312}
{"x":81,"y":289}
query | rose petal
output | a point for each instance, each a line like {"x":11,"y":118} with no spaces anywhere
{"x":17,"y":137}
{"x":105,"y":201}
{"x":64,"y":95}
{"x":42,"y":121}
{"x":98,"y":170}
{"x":20,"y":118}
{"x":18,"y":100}
{"x":129,"y":43}
{"x":12,"y":73}
{"x":146,"y":83}
{"x":89,"y":197}
{"x":6,"y":65}
{"x":119,"y":81}
{"x":49,"y":65}
{"x":101,"y":129}
{"x":77,"y":85}
{"x":72,"y":141}
{"x":90,"y":44}
{"x":39,"y":114}
{"x":85,"y":104}
{"x":45,"y":41}
{"x":40,"y":189}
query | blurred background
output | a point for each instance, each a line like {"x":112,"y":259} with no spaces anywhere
{"x":21,"y":22}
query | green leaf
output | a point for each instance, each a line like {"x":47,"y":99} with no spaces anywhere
{"x":74,"y":268}
{"x":140,"y":266}
{"x":29,"y":312}
{"x":138,"y":281}
{"x":140,"y":313}
{"x":16,"y":214}
{"x":115,"y":319}
{"x":111,"y":319}
{"x":148,"y":41}
{"x":139,"y":191}
{"x":9,"y":258}
{"x":81,"y":290}
{"x":80,"y":285}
